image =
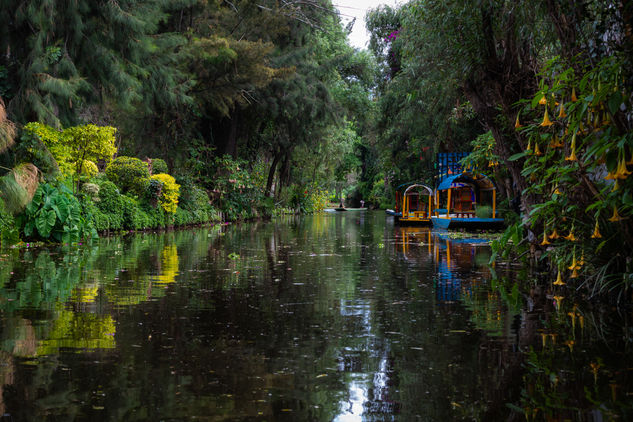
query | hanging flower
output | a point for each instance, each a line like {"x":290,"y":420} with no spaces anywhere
{"x":571,"y":236}
{"x":615,"y":217}
{"x":555,"y":142}
{"x":616,"y":185}
{"x":573,"y":95}
{"x":545,"y":242}
{"x":557,"y":191}
{"x":546,"y":121}
{"x":570,"y":344}
{"x":554,"y":235}
{"x":558,"y":300}
{"x":574,"y":264}
{"x":559,"y":280}
{"x":561,"y":112}
{"x":542,"y":101}
{"x":537,"y":151}
{"x":623,"y":172}
{"x":572,"y":156}
{"x":529,"y":147}
{"x":596,"y":232}
{"x":517,"y":124}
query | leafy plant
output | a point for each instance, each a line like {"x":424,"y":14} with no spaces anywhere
{"x":54,"y":213}
{"x":159,"y":166}
{"x":129,"y":174}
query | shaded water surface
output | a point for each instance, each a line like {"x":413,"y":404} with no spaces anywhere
{"x":334,"y":317}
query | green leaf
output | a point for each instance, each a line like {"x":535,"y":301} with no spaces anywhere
{"x":517,"y":156}
{"x":45,"y":223}
{"x":614,"y":102}
{"x":61,"y":208}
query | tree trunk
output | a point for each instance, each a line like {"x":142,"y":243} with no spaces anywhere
{"x":271,"y":174}
{"x":230,"y":147}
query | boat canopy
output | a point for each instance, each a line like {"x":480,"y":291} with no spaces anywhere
{"x":480,"y":180}
{"x":426,"y":188}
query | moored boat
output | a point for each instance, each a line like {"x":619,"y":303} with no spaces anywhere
{"x":466,"y":196}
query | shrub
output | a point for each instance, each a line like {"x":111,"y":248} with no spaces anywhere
{"x":170,"y":191}
{"x":130,"y":174}
{"x":483,"y":211}
{"x":91,"y":190}
{"x":159,"y":166}
{"x":8,"y":233}
{"x":89,"y":168}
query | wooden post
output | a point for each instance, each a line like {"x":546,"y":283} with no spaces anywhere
{"x":494,"y":202}
{"x":448,"y":204}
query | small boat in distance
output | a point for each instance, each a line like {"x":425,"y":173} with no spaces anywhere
{"x":471,"y":201}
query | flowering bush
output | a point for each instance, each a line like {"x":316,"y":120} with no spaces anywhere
{"x":169,"y":193}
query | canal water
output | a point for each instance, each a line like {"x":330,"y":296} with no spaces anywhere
{"x":334,"y":317}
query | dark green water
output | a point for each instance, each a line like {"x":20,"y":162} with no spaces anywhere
{"x":333,"y":317}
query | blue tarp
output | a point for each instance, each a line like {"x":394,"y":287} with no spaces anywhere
{"x":481,"y":181}
{"x":446,"y":183}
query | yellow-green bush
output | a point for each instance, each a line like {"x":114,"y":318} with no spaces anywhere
{"x":89,"y":168}
{"x":169,"y":193}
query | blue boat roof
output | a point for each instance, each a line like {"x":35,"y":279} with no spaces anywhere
{"x":480,"y":180}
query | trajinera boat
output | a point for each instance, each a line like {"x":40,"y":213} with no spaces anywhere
{"x":471,"y":202}
{"x":416,"y":205}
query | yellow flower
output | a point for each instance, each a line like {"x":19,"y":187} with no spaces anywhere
{"x":542,"y":101}
{"x":557,"y":191}
{"x":561,"y":112}
{"x":517,"y":124}
{"x":554,"y":235}
{"x":572,"y":156}
{"x":558,"y":300}
{"x":596,"y":232}
{"x":622,"y":172}
{"x":570,"y":236}
{"x":544,"y":339}
{"x":570,"y":344}
{"x":573,"y":263}
{"x":615,"y":217}
{"x":559,"y":280}
{"x":574,"y":274}
{"x":537,"y":151}
{"x":572,"y":315}
{"x":573,"y":95}
{"x":594,"y":368}
{"x":545,"y":242}
{"x":529,"y":146}
{"x":546,"y":121}
{"x":616,"y":185}
{"x":555,"y":142}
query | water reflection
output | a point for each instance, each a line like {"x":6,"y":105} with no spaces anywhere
{"x":334,"y":317}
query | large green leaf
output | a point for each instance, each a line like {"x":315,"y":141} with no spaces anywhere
{"x":61,"y":207}
{"x":45,"y":222}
